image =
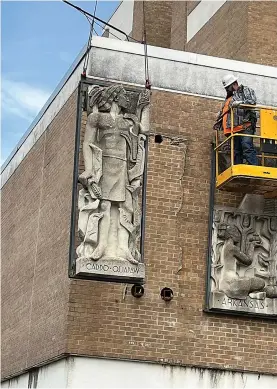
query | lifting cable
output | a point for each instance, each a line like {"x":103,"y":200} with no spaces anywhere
{"x":144,"y":41}
{"x":89,"y":41}
{"x":100,"y":20}
{"x":96,"y":19}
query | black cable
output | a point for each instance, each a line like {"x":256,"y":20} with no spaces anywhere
{"x":89,"y":40}
{"x":143,"y":37}
{"x":88,"y":19}
{"x":115,"y":35}
{"x":96,"y":33}
{"x":99,"y":25}
{"x":146,"y":67}
{"x":90,"y":23}
{"x":94,"y":18}
{"x":100,"y":20}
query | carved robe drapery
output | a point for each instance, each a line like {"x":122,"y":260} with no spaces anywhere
{"x":114,"y":153}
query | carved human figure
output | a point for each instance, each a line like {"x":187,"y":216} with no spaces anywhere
{"x":271,"y":289}
{"x":113,"y":151}
{"x":230,"y":282}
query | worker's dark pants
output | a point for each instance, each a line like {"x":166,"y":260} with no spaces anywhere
{"x":244,"y":148}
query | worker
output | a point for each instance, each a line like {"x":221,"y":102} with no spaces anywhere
{"x":244,"y":119}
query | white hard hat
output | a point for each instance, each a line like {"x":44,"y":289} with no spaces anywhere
{"x":228,"y":80}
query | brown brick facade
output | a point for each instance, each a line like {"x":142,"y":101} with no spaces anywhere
{"x":157,"y":22}
{"x":225,"y":34}
{"x":262,"y":32}
{"x":48,"y":315}
{"x":179,"y":25}
{"x":241,"y":30}
{"x":104,"y":318}
{"x":190,"y":5}
{"x":36,"y":207}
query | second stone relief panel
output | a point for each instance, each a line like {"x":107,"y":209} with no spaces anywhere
{"x":243,"y":264}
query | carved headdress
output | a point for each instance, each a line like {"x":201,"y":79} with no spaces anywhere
{"x":104,"y":97}
{"x":226,"y":231}
{"x":233,"y":232}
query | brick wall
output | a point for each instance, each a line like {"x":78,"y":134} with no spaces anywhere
{"x":36,"y":206}
{"x":105,"y":320}
{"x":191,"y":5}
{"x":179,"y":25}
{"x":46,"y":315}
{"x":246,"y":31}
{"x":262,"y":32}
{"x":137,"y":29}
{"x":225,"y":34}
{"x":241,"y":30}
{"x":157,"y":21}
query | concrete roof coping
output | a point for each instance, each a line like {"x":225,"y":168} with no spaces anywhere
{"x":185,"y":57}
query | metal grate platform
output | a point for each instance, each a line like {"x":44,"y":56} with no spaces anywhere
{"x":249,"y":179}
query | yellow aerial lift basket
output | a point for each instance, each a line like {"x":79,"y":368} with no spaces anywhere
{"x":243,"y":178}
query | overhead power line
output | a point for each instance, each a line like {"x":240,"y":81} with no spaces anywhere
{"x":89,"y":39}
{"x":95,"y":19}
{"x":100,"y":20}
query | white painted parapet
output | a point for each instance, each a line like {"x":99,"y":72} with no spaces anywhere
{"x":82,"y":372}
{"x":178,"y":71}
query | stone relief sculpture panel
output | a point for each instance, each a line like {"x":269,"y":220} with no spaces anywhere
{"x":109,"y":222}
{"x":244,"y":263}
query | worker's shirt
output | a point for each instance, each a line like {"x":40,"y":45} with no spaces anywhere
{"x":225,"y":116}
{"x":241,"y":116}
{"x":226,"y":129}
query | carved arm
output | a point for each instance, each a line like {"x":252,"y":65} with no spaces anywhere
{"x":144,"y":121}
{"x":93,"y":168}
{"x":143,"y":110}
{"x":241,"y":257}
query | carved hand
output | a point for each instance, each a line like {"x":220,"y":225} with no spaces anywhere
{"x":144,"y":98}
{"x":96,"y":190}
{"x":256,"y":239}
{"x":83,"y":178}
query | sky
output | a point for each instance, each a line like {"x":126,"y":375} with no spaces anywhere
{"x":40,"y":40}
